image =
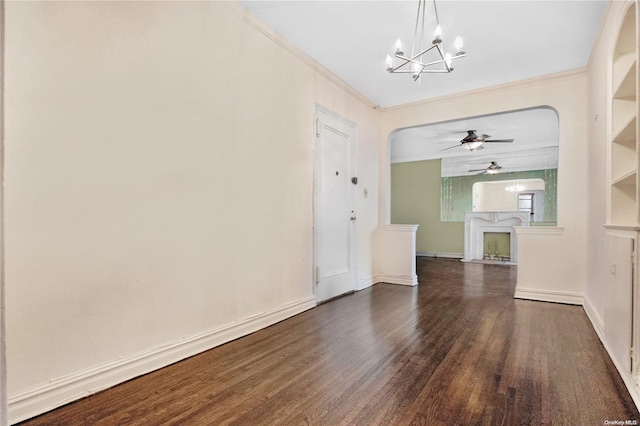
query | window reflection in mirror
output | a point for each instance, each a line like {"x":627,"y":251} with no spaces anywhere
{"x":523,"y":195}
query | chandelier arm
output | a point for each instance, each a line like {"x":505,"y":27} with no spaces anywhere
{"x":442,"y":55}
{"x":397,"y":69}
{"x":421,"y":64}
{"x":417,"y":55}
{"x":439,"y":61}
{"x":425,"y":71}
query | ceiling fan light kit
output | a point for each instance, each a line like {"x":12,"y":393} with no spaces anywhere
{"x":472,"y":141}
{"x":472,"y":145}
{"x":417,"y":64}
{"x":493,"y":169}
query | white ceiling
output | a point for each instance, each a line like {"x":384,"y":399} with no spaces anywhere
{"x":535,"y":134}
{"x":505,"y":41}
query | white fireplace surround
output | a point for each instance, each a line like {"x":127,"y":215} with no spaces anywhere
{"x":477,"y":223}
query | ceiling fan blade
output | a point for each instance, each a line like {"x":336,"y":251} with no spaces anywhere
{"x":451,"y":147}
{"x":500,"y":140}
{"x":485,"y":136}
{"x":477,"y":170}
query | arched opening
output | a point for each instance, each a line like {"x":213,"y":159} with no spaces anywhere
{"x":433,"y":174}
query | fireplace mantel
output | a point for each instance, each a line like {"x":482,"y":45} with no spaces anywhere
{"x":477,"y":223}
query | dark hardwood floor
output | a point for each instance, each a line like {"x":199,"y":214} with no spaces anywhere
{"x":456,"y":349}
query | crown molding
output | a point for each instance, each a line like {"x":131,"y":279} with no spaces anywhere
{"x":492,"y":89}
{"x":254,"y":22}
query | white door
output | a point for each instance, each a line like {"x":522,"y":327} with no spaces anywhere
{"x":335,"y":210}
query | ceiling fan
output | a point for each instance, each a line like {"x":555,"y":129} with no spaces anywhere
{"x":493,"y":169}
{"x":472,"y":141}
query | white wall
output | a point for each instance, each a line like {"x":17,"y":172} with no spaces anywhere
{"x":598,"y":288}
{"x":158,"y":187}
{"x":555,"y":267}
{"x":598,"y":81}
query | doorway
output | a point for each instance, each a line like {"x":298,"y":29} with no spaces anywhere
{"x":335,"y":205}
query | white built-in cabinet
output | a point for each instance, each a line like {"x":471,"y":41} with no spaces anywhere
{"x":621,"y":311}
{"x":624,"y":124}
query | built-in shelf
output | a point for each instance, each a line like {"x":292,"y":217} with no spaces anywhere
{"x":623,"y":152}
{"x":624,"y":111}
{"x":621,"y":317}
{"x":624,"y":198}
{"x":626,"y":132}
{"x":624,"y":160}
{"x":624,"y":77}
{"x":628,"y":178}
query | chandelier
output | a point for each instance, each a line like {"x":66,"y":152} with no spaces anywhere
{"x":427,"y":56}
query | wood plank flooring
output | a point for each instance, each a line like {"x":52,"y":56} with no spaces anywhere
{"x":456,"y":349}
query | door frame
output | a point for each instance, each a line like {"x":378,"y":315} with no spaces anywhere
{"x":354,"y":172}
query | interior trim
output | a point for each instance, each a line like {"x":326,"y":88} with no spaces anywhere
{"x":598,"y":325}
{"x":440,"y":254}
{"x":62,"y":390}
{"x":539,"y":230}
{"x":396,"y":279}
{"x":257,"y":24}
{"x":554,"y":296}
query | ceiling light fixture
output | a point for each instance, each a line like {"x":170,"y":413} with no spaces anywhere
{"x":417,"y":64}
{"x":472,"y":145}
{"x":493,"y":169}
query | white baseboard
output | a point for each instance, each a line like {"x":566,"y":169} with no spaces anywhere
{"x":549,"y":296}
{"x":396,"y":279}
{"x":364,"y":283}
{"x":628,"y":379}
{"x":596,"y":321}
{"x":69,"y":388}
{"x":440,"y":254}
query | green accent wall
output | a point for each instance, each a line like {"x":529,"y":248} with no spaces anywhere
{"x":415,"y":199}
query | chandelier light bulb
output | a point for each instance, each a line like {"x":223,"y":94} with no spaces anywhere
{"x":438,"y":34}
{"x":447,"y":59}
{"x":399,"y":50}
{"x":389,"y":63}
{"x":458,"y":44}
{"x":415,"y":69}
